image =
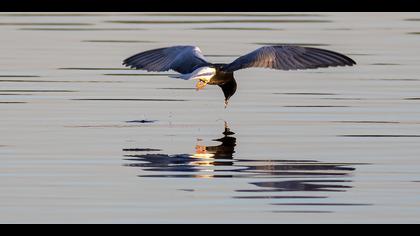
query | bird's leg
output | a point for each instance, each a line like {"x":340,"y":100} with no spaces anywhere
{"x":200,"y":85}
{"x":226,"y":103}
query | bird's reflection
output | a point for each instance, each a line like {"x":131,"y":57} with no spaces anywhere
{"x":224,"y":151}
{"x":220,"y":162}
{"x":198,"y":165}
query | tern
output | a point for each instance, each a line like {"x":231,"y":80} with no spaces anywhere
{"x":190,"y":62}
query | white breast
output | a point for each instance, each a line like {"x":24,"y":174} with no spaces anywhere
{"x":202,"y":73}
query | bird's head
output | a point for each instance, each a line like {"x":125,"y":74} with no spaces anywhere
{"x":229,"y":89}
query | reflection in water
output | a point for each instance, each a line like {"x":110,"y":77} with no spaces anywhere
{"x":269,"y":176}
{"x":141,"y":121}
{"x":305,"y":185}
{"x":198,"y":165}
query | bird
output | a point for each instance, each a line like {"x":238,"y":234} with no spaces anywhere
{"x":191,"y":64}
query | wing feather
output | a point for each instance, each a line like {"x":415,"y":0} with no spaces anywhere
{"x":183,"y":59}
{"x":289,"y":57}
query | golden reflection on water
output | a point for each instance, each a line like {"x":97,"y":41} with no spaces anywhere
{"x":201,"y":152}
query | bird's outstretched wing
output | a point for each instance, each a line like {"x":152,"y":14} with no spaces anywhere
{"x":182,"y":59}
{"x":289,"y":57}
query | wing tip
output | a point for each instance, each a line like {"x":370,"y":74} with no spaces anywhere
{"x":349,"y":61}
{"x":126,"y":64}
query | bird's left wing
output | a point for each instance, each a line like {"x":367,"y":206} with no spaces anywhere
{"x":182,"y":59}
{"x":289,"y":57}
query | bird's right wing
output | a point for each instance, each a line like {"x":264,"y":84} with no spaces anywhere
{"x":289,"y":57}
{"x":182,"y":59}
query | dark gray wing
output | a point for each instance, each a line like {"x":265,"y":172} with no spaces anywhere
{"x":289,"y":57}
{"x":182,"y":59}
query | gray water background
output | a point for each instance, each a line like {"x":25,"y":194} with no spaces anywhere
{"x":85,"y":140}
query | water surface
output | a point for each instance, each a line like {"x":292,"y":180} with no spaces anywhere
{"x":86,"y":140}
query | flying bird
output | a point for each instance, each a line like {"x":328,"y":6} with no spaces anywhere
{"x":192,"y":65}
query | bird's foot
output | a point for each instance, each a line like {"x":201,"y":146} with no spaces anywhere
{"x":200,"y":85}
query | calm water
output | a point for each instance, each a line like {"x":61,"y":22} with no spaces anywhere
{"x":85,"y":140}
